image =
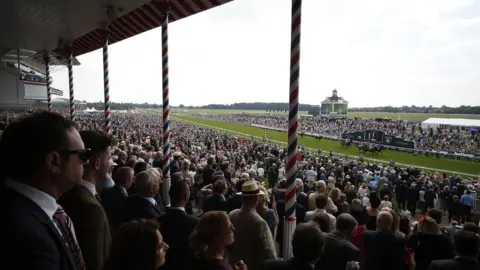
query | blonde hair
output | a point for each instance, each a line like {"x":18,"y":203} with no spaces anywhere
{"x":356,"y":201}
{"x":334,"y":194}
{"x":264,"y":200}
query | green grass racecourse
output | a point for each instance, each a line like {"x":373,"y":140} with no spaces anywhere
{"x":416,"y":117}
{"x":327,"y":145}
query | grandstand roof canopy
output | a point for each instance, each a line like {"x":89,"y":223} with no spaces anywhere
{"x":457,"y":122}
{"x":50,"y":25}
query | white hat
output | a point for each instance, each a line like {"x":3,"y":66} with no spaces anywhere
{"x":250,"y":188}
{"x":177,"y":154}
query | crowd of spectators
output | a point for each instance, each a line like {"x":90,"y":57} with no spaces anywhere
{"x":431,"y":139}
{"x":75,"y":197}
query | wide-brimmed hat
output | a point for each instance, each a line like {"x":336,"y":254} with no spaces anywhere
{"x":250,"y":188}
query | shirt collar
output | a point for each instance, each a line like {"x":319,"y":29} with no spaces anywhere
{"x":46,"y":202}
{"x":152,"y":200}
{"x":90,"y":187}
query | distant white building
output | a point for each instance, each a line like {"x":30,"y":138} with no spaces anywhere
{"x":334,"y":106}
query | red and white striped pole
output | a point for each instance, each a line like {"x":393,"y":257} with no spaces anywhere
{"x":70,"y":85}
{"x":167,"y":155}
{"x":48,"y":81}
{"x":291,"y":193}
{"x":106,"y":83}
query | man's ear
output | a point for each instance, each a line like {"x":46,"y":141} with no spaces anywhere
{"x":96,"y":164}
{"x":53,"y":161}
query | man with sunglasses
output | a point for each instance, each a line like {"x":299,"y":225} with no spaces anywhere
{"x":83,"y":204}
{"x":42,"y":157}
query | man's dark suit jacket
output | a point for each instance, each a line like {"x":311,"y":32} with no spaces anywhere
{"x":176,"y":227}
{"x":92,"y":227}
{"x":216,"y":202}
{"x":28,"y":237}
{"x":158,"y":198}
{"x":299,"y":214}
{"x":207,"y":175}
{"x":338,"y":251}
{"x":137,"y":207}
{"x":384,"y":250}
{"x":234,"y":202}
{"x":113,"y":200}
{"x":302,"y":199}
{"x":457,"y":263}
{"x":291,"y":264}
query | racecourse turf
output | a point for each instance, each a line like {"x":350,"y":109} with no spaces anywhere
{"x":414,"y":117}
{"x":330,"y":145}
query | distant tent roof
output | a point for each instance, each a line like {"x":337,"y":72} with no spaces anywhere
{"x":90,"y":110}
{"x":459,"y":122}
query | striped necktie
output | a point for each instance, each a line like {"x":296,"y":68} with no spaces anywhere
{"x":68,"y":232}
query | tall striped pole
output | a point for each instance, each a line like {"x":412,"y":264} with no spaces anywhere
{"x":167,"y":155}
{"x":106,"y":83}
{"x":291,"y":195}
{"x":70,"y":85}
{"x":49,"y":82}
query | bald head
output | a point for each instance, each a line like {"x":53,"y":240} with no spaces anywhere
{"x":320,"y":186}
{"x":384,"y":220}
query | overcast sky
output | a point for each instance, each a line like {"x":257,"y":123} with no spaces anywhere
{"x":374,"y":52}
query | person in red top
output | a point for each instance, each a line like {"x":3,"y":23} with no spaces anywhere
{"x":360,"y":214}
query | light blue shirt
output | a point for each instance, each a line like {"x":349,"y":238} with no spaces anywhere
{"x":467,"y":200}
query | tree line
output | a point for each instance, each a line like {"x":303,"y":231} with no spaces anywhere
{"x":280,"y":107}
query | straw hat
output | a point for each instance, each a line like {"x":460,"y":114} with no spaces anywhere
{"x":250,"y":188}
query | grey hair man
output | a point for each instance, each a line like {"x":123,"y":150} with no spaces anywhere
{"x":143,"y":204}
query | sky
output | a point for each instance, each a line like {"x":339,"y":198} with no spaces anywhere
{"x":374,"y":52}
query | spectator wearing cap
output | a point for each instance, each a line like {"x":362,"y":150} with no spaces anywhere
{"x":83,"y":204}
{"x":254,"y":241}
{"x":29,"y":236}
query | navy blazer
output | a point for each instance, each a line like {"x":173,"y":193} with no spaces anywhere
{"x":176,"y":226}
{"x":137,"y":207}
{"x":29,"y":239}
{"x":113,"y":200}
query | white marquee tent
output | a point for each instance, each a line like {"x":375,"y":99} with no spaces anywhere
{"x":451,"y":122}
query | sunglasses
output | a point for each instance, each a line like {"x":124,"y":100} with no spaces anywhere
{"x":83,"y":155}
